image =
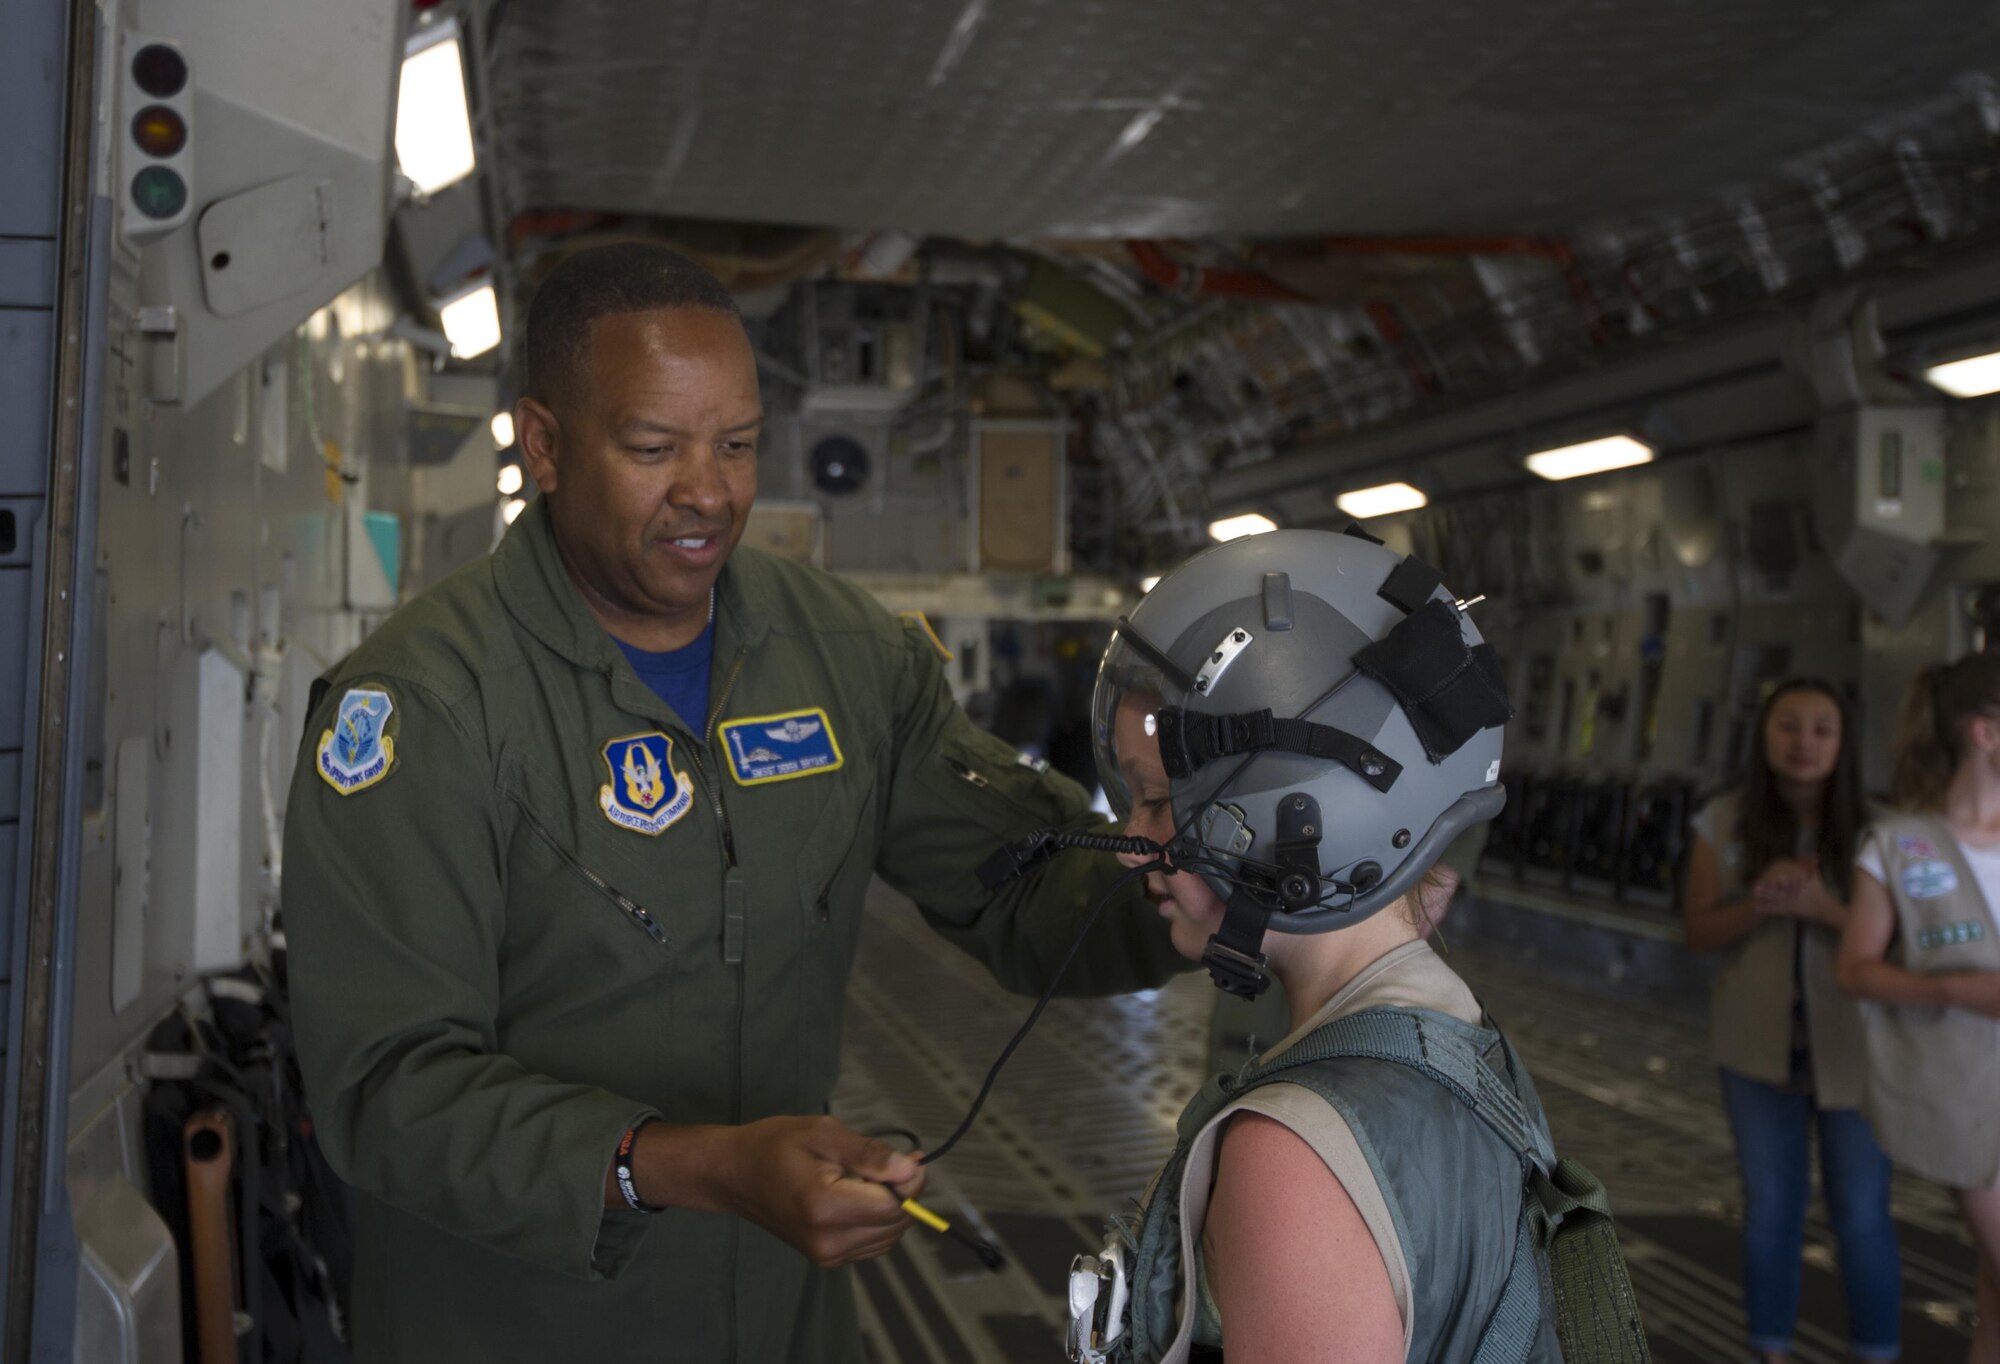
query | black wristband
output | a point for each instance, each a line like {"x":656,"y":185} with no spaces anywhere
{"x":621,"y":1166}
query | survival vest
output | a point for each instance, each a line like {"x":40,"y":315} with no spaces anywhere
{"x":1398,"y":1076}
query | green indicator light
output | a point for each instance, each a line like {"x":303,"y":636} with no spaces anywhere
{"x":158,"y":192}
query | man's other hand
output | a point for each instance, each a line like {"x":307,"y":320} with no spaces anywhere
{"x":819,"y":1186}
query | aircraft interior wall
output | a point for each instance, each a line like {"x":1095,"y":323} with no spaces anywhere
{"x":285,"y":448}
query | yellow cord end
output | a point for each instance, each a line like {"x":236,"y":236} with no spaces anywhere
{"x":925,"y":1215}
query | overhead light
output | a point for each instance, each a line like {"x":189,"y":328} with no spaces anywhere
{"x":1148,"y":583}
{"x":510,"y":479}
{"x":1381,"y":500}
{"x":1591,"y":457}
{"x":1236,"y":527}
{"x":433,"y":130}
{"x":503,"y":430}
{"x":472,"y":322}
{"x":1971,"y":378}
{"x":512,"y":510}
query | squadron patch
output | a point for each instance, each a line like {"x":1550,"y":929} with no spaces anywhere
{"x":770,"y":748}
{"x":1929,"y":880}
{"x":357,"y":752}
{"x":645,"y":794}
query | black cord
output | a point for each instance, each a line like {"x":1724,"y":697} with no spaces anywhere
{"x":965,"y":1124}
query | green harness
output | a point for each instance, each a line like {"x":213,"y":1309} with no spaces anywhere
{"x":1565,"y":1221}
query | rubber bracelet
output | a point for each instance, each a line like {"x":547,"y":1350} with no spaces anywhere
{"x":621,"y":1166}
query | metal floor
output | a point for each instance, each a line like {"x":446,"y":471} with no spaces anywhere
{"x":1084,"y":1112}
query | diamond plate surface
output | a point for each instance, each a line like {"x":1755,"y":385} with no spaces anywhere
{"x":1115,"y":117}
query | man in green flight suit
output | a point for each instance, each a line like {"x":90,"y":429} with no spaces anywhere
{"x":568,"y":960}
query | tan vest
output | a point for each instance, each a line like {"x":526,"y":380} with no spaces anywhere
{"x":1751,"y":1012}
{"x":1933,"y":1072}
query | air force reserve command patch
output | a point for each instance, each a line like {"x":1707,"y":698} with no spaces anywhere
{"x":358,"y":751}
{"x":781,"y":747}
{"x":645,"y":794}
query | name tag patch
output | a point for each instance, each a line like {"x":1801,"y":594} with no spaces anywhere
{"x":768,"y":748}
{"x":358,"y":751}
{"x":1929,"y":880}
{"x":644,"y":794}
{"x":1950,"y":935}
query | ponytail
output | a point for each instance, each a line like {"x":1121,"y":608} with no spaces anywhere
{"x":1941,"y":699}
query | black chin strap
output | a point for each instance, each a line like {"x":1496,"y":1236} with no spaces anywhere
{"x":1232,"y":957}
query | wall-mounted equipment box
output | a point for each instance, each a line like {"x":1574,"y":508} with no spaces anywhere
{"x":1879,"y":506}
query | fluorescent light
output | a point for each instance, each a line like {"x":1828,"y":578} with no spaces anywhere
{"x":510,"y":479}
{"x":1147,"y":584}
{"x":1235,"y":527}
{"x":503,"y":430}
{"x":1973,"y":378}
{"x":1382,"y":500}
{"x":433,"y":130}
{"x":472,"y":322}
{"x":512,"y":510}
{"x":1591,"y":457}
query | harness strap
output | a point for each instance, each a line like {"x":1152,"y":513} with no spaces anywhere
{"x":1191,"y":739}
{"x":1401,"y":1037}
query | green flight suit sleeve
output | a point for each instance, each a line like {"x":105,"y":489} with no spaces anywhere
{"x":394,"y":901}
{"x":959,"y":793}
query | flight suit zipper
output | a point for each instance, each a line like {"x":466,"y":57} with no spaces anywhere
{"x":735,"y":890}
{"x":632,"y":908}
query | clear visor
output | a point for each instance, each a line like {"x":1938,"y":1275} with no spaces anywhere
{"x":1131,"y":689}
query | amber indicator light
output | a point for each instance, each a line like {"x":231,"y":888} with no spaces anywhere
{"x":159,"y":70}
{"x":159,"y":131}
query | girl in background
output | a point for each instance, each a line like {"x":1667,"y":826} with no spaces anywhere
{"x":1921,"y":946}
{"x":1769,"y":874}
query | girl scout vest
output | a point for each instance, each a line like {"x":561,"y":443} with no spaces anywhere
{"x":1751,"y":1009}
{"x":1433,"y":1113}
{"x":1934,"y":1073}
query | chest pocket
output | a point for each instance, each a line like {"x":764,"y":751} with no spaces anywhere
{"x":574,"y":880}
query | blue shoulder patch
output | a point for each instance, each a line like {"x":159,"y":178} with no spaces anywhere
{"x":358,"y":751}
{"x":767,"y":748}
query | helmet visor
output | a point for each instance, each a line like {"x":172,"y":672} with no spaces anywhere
{"x":1132,"y":686}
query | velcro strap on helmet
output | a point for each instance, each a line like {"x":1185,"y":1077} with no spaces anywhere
{"x":1449,"y":690}
{"x":1410,"y":584}
{"x":1191,"y":739}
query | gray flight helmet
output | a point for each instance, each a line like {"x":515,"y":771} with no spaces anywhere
{"x":1274,"y":621}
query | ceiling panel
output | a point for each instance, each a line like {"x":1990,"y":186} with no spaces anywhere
{"x":1024,"y":118}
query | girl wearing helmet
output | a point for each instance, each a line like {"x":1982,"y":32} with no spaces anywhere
{"x":1303,"y":722}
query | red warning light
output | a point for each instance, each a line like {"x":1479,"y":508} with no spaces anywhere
{"x":159,"y":70}
{"x":159,"y":131}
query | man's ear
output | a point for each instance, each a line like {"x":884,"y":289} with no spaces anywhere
{"x":539,"y":434}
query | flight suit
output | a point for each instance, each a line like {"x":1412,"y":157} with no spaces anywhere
{"x":528,"y":905}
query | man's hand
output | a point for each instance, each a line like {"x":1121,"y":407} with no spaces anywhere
{"x":817,"y":1185}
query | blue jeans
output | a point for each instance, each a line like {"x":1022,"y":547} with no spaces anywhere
{"x":1773,"y":1153}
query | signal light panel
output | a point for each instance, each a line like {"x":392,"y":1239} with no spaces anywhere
{"x":156,"y":162}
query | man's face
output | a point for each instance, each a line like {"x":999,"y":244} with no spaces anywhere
{"x":650,"y":461}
